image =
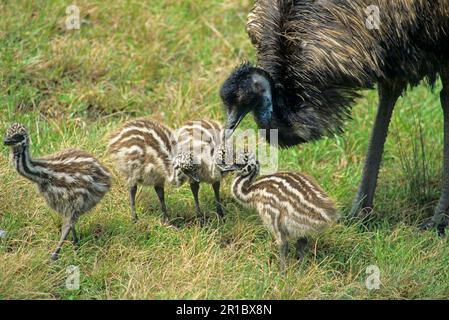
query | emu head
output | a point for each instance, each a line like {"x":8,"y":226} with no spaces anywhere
{"x":252,"y":89}
{"x":186,"y":163}
{"x":16,"y":136}
{"x":247,"y":89}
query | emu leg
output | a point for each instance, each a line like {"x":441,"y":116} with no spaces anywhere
{"x":283,"y":253}
{"x":363,"y":203}
{"x":66,"y":227}
{"x":440,"y":218}
{"x":301,"y":246}
{"x":74,"y":236}
{"x":216,"y":187}
{"x":161,"y":196}
{"x":132,"y":201}
{"x":195,"y":187}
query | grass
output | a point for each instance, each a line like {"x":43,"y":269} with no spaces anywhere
{"x":166,"y":59}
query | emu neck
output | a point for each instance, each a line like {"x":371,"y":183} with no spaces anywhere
{"x":25,"y":165}
{"x":241,"y":188}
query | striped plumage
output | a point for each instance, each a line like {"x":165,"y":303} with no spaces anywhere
{"x":198,"y":143}
{"x":292,"y":205}
{"x":199,"y":136}
{"x":71,"y":181}
{"x":142,"y":150}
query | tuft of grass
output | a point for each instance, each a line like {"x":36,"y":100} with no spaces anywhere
{"x":166,"y":59}
{"x":420,"y":172}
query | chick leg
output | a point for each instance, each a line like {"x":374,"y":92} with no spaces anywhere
{"x":132,"y":201}
{"x":283,"y":253}
{"x":65,"y":229}
{"x":195,"y":187}
{"x":216,"y":187}
{"x":74,"y":236}
{"x":161,"y":196}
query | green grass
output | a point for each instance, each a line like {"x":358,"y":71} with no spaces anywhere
{"x":166,"y":59}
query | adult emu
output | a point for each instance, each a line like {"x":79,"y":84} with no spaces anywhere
{"x":313,"y":58}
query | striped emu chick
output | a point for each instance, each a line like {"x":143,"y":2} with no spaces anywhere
{"x":142,"y":152}
{"x":199,"y":142}
{"x":72,"y":181}
{"x":292,"y":205}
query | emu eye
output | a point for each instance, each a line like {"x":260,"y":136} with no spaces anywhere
{"x":258,"y":87}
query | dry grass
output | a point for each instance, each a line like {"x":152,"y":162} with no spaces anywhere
{"x":167,"y":59}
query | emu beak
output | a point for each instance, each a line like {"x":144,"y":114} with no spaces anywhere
{"x":9,"y":142}
{"x":15,"y":139}
{"x":234,"y":119}
{"x":193,"y":176}
{"x":228,"y":169}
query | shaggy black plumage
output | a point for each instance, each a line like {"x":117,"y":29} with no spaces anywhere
{"x":315,"y":56}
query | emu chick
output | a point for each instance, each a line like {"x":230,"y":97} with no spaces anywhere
{"x":142,"y":152}
{"x":292,"y":205}
{"x":199,"y":142}
{"x":72,"y":181}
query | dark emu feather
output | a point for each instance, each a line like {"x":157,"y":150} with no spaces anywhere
{"x":315,"y":56}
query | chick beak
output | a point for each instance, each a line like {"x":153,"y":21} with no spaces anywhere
{"x":228,"y":168}
{"x":8,"y":142}
{"x":193,"y":176}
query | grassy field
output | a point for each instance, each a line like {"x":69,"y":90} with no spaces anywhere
{"x":166,"y":59}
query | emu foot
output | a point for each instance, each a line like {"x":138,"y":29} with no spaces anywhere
{"x":431,"y":225}
{"x":169,"y":223}
{"x":202,"y":221}
{"x":54,"y":256}
{"x":165,"y":220}
{"x":220,"y":214}
{"x":201,"y":218}
{"x":360,"y":212}
{"x":361,"y":209}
